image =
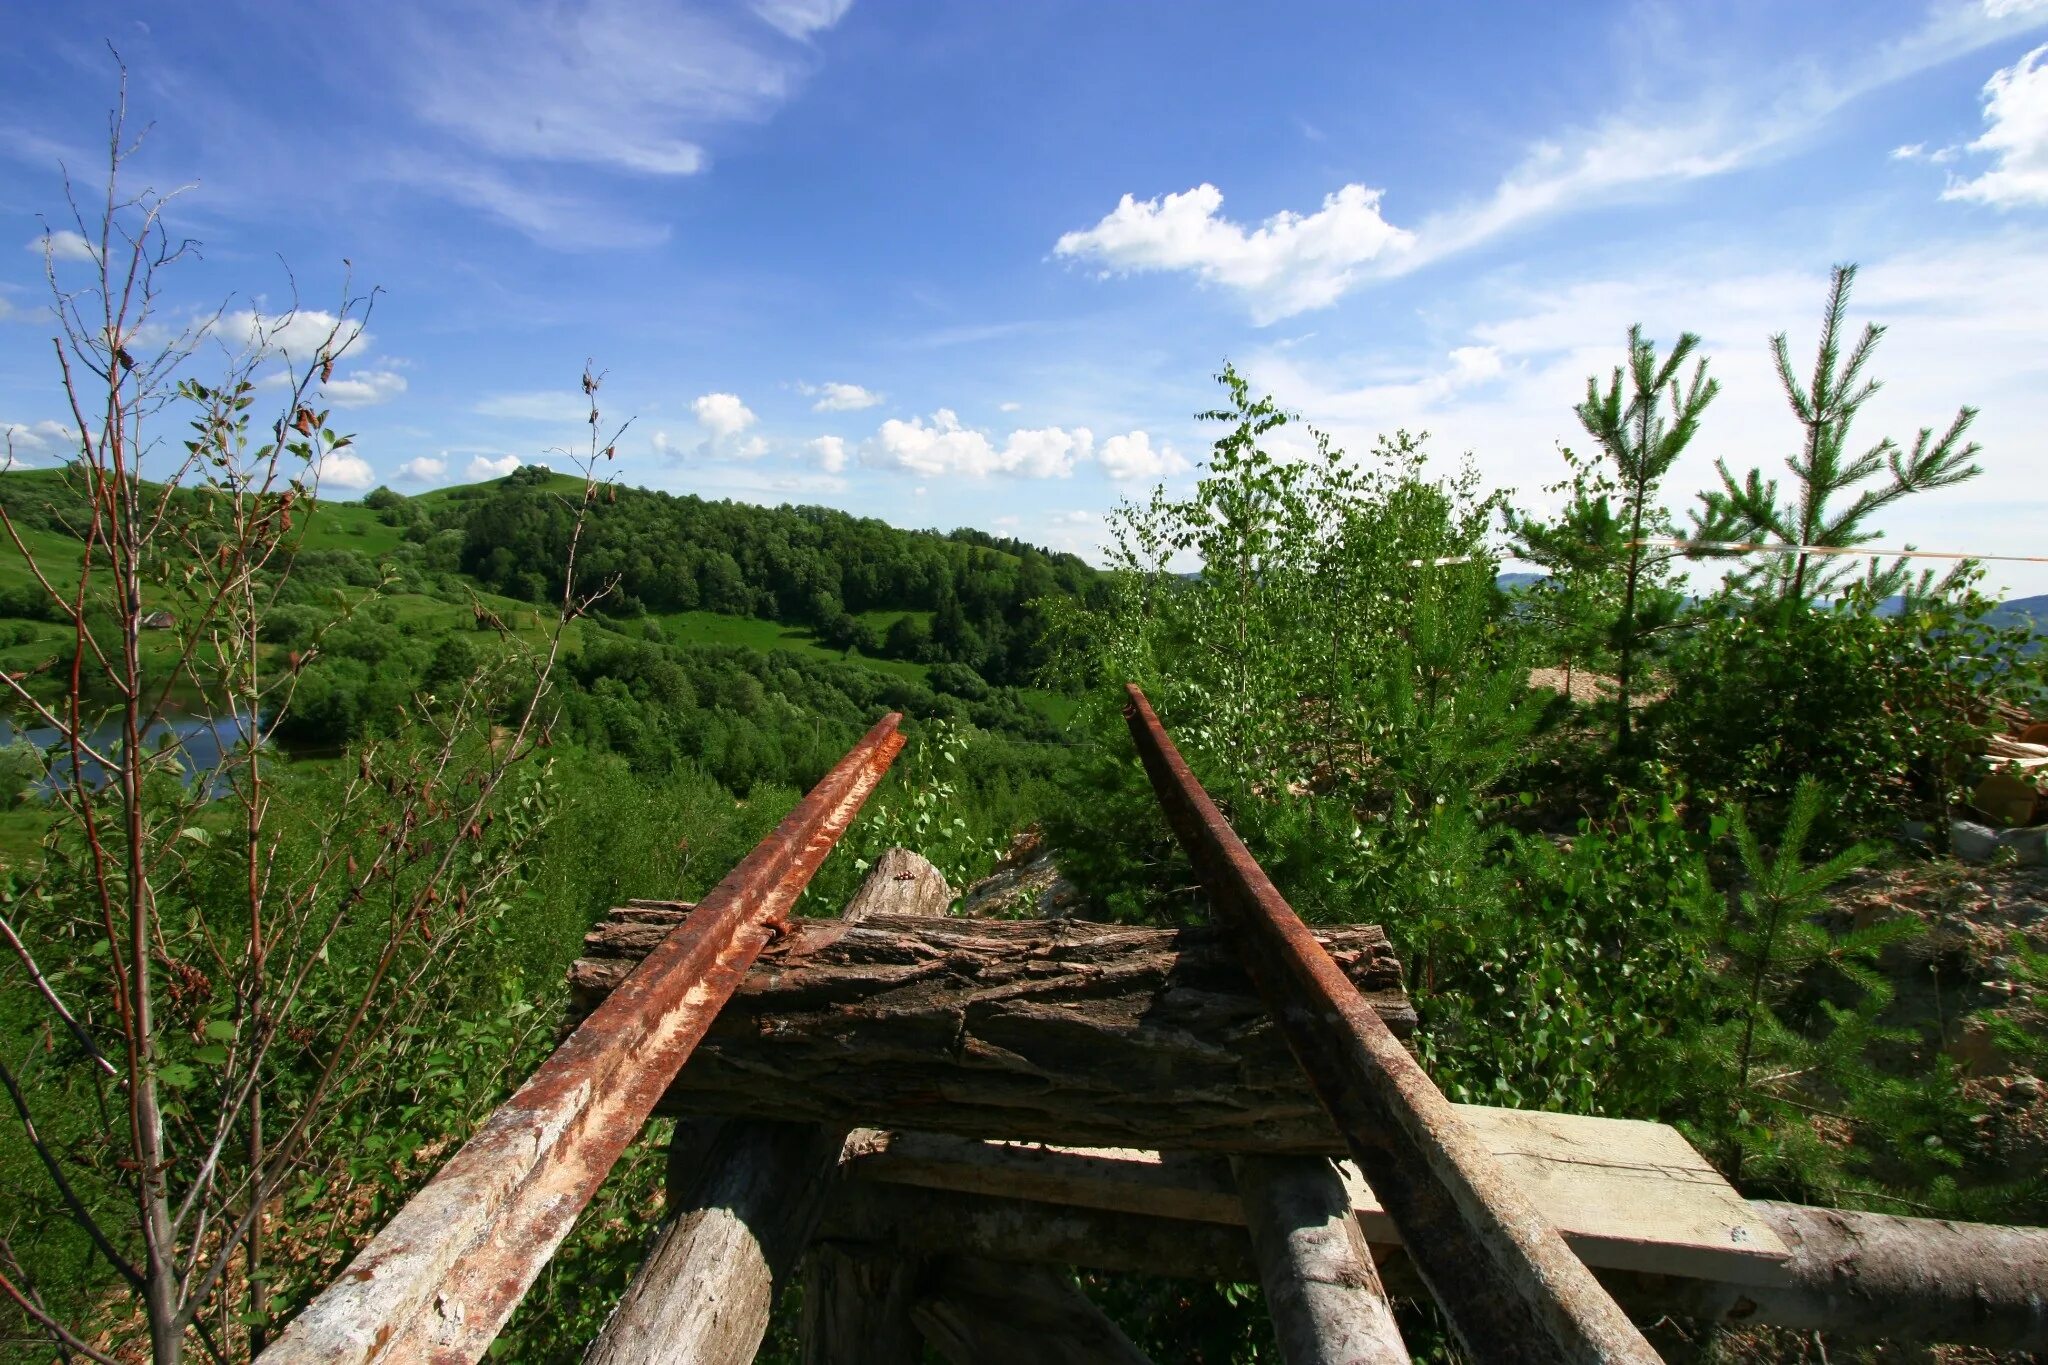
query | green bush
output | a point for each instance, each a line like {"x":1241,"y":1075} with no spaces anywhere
{"x":1890,"y":708}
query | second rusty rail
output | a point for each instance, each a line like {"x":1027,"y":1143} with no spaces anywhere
{"x":1503,"y":1275}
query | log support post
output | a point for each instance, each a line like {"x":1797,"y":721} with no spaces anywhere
{"x":745,"y":1197}
{"x":1326,"y":1300}
{"x":983,"y":1312}
{"x":857,"y":1305}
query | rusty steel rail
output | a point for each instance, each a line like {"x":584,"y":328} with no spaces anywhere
{"x":1510,"y":1286}
{"x":438,"y":1283}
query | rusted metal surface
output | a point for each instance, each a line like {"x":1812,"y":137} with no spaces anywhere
{"x":1503,"y":1275}
{"x":440,"y":1280}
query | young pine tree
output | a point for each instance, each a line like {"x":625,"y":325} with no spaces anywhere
{"x":1832,"y":498}
{"x":1642,"y":427}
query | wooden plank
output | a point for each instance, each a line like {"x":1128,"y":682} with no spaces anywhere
{"x":1630,"y":1195}
{"x":1627,"y":1194}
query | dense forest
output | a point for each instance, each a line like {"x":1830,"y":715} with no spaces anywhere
{"x":1661,"y":832}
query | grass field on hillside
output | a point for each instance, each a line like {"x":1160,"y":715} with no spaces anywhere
{"x":711,"y":628}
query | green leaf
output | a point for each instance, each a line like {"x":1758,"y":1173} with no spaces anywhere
{"x":221,"y":1030}
{"x":176,"y":1075}
{"x":213,"y":1054}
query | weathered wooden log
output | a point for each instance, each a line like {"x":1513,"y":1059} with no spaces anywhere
{"x":1876,"y":1277}
{"x":857,"y":1301}
{"x":1061,"y":1031}
{"x":745,"y":1196}
{"x":1327,"y":1304}
{"x":706,"y":1290}
{"x":1855,"y":1275}
{"x":944,"y":1223}
{"x":980,"y":1312}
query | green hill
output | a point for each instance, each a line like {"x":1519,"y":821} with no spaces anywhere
{"x":722,"y":628}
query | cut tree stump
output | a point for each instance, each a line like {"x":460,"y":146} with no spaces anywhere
{"x":744,"y":1195}
{"x":1054,"y":1031}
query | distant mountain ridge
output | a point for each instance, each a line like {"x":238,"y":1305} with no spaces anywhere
{"x":2029,"y":612}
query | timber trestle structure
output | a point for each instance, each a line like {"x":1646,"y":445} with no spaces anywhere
{"x":925,"y":1118}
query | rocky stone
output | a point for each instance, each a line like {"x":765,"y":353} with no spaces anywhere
{"x":1026,"y":884}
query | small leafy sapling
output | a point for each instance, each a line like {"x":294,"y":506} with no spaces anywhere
{"x":1834,"y":493}
{"x":225,"y":968}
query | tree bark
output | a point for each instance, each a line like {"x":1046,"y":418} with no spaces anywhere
{"x":1325,"y":1298}
{"x":981,"y":1312}
{"x":1053,"y":1031}
{"x":745,"y":1196}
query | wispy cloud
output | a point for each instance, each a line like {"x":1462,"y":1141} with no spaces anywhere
{"x":802,"y":18}
{"x":541,"y":405}
{"x":1292,"y":262}
{"x":631,"y":85}
{"x":527,"y":203}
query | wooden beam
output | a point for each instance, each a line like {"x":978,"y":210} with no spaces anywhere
{"x":1327,"y":1304}
{"x":1059,"y":1031}
{"x":745,"y":1196}
{"x":1627,"y":1195}
{"x":981,"y":1312}
{"x":1856,"y":1275}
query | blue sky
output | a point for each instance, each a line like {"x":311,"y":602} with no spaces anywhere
{"x":973,"y":264}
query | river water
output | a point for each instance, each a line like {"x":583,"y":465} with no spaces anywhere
{"x":201,"y":744}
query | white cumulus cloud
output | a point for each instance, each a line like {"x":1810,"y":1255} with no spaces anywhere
{"x":2016,"y":134}
{"x":835,"y":397}
{"x":365,"y":388}
{"x":722,"y":414}
{"x":44,"y":435}
{"x":482,"y":467}
{"x":347,"y":470}
{"x":1288,"y":264}
{"x":943,"y":446}
{"x":302,"y":336}
{"x":423,"y":468}
{"x":1132,"y":456}
{"x":64,"y":245}
{"x":829,"y":451}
